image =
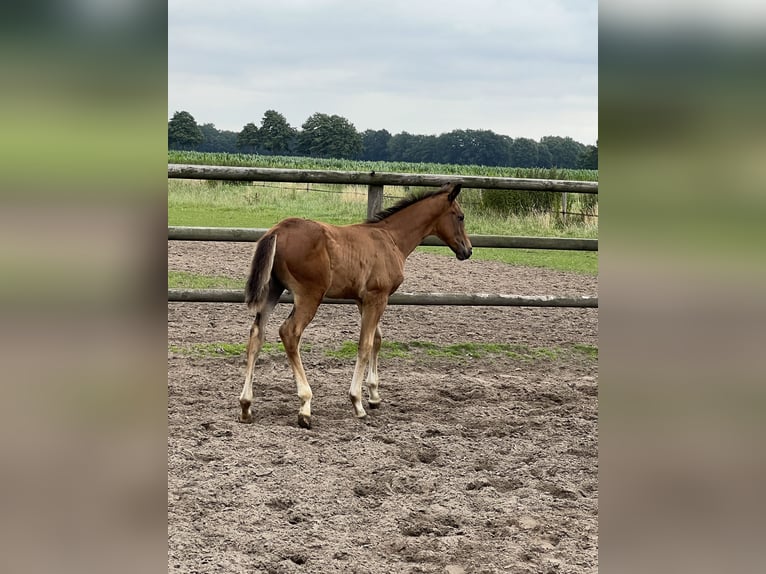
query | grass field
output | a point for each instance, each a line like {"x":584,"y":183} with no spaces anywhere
{"x":221,"y":204}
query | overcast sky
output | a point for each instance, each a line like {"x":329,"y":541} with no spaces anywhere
{"x":522,"y":68}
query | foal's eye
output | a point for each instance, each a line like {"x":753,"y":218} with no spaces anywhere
{"x":460,"y":217}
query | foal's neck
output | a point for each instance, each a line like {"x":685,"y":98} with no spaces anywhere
{"x":409,"y":226}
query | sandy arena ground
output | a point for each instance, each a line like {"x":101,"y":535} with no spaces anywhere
{"x":472,"y":465}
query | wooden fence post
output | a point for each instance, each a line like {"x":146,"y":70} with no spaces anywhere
{"x":374,"y":199}
{"x":564,"y":206}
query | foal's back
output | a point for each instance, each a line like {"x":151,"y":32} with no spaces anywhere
{"x":345,"y":262}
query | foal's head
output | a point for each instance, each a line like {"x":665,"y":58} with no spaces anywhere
{"x":450,"y":228}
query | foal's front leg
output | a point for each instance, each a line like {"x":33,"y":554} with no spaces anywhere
{"x":371,"y":313}
{"x":372,"y":376}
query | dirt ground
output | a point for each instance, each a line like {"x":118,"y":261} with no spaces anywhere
{"x":471,"y":465}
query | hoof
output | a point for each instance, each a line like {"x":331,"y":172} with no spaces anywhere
{"x":372,"y":405}
{"x":365,"y":420}
{"x":245,"y":418}
{"x":304,"y":421}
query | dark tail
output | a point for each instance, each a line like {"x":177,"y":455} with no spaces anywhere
{"x":257,"y":288}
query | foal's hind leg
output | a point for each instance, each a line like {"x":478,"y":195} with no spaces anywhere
{"x":254,"y":344}
{"x":372,"y":375}
{"x":291,"y":332}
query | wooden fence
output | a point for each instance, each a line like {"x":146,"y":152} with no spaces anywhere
{"x":375,"y":182}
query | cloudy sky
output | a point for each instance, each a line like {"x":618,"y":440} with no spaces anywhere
{"x":523,"y":68}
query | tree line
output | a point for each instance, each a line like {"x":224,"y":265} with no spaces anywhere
{"x":333,"y":136}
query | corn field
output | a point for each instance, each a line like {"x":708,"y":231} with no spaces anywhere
{"x":297,"y":162}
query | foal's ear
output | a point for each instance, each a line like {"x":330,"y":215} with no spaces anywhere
{"x":455,"y":191}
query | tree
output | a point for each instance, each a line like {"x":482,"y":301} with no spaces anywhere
{"x":405,"y":146}
{"x":248,"y":138}
{"x":375,"y":145}
{"x":450,"y":147}
{"x":183,"y":131}
{"x":400,"y":146}
{"x":564,"y":151}
{"x":424,"y":149}
{"x":494,"y":148}
{"x":215,"y":140}
{"x":420,"y":148}
{"x":524,"y":153}
{"x":473,"y":147}
{"x":276,"y":136}
{"x":329,"y":136}
{"x":544,"y":157}
{"x":589,"y":158}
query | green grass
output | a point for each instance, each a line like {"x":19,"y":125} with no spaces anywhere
{"x":347,"y":350}
{"x":223,"y":204}
{"x":588,"y":350}
{"x":403,"y":350}
{"x":220,"y":349}
{"x":184,"y":280}
{"x":388,"y":350}
{"x":210,"y":349}
{"x":482,"y":350}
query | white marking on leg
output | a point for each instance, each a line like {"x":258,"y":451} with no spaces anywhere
{"x":304,"y":390}
{"x":291,"y":333}
{"x":254,"y":344}
{"x":355,"y":391}
{"x":372,"y":384}
{"x":362,"y":360}
{"x":301,"y":383}
{"x":372,"y":376}
{"x":369,"y":345}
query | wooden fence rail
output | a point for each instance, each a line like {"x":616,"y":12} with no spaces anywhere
{"x":499,"y":241}
{"x":463,"y":299}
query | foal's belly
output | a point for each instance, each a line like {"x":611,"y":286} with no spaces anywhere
{"x":379,"y":282}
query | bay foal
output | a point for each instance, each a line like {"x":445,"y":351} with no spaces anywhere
{"x":363,"y":262}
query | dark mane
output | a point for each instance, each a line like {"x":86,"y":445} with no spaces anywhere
{"x":401,"y":204}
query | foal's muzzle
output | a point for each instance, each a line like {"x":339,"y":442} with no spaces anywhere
{"x":463,"y":252}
